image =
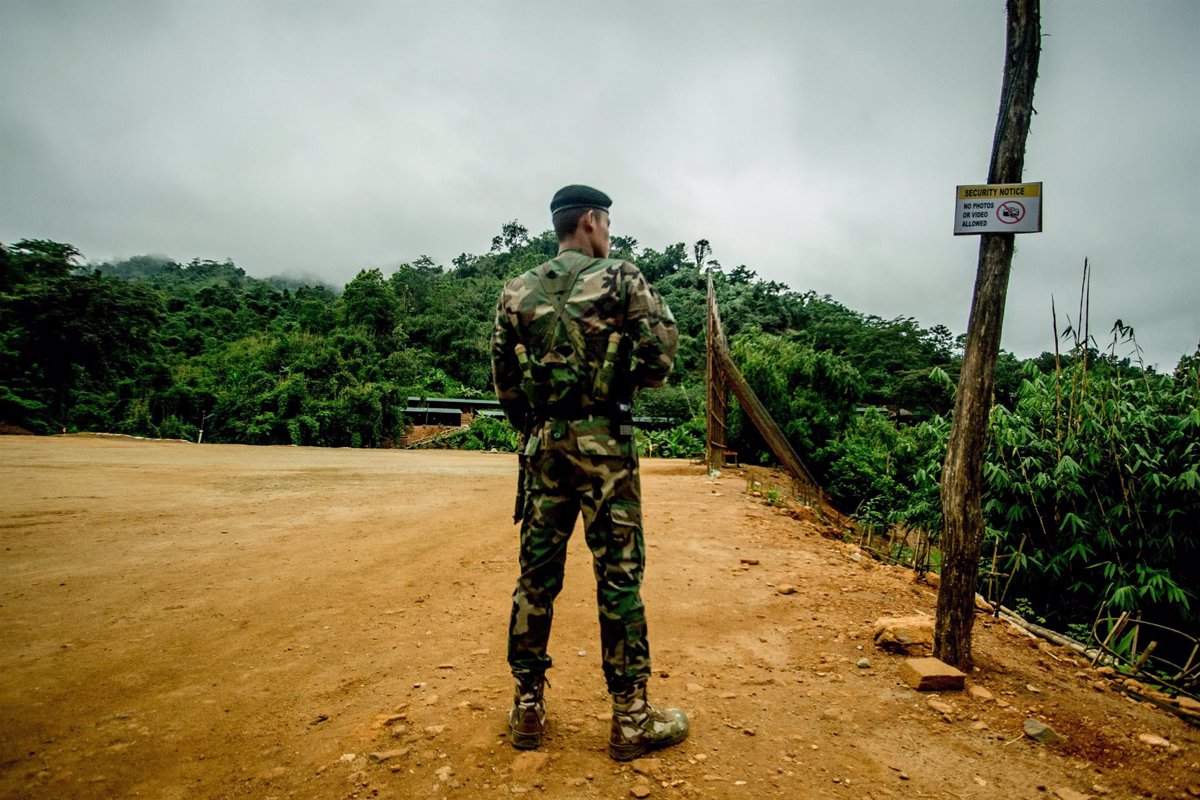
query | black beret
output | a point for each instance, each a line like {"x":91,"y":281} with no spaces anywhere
{"x":578,"y":196}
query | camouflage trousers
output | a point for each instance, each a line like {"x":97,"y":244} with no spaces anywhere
{"x":574,"y":466}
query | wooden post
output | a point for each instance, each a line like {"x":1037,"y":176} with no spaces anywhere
{"x":962,"y":474}
{"x":724,"y":376}
{"x":718,"y":394}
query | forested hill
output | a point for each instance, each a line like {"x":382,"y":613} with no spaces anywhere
{"x":151,"y":346}
{"x":1092,"y":478}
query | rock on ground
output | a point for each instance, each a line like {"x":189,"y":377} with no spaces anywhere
{"x":1041,"y":732}
{"x":912,"y":635}
{"x":931,"y":674}
{"x":528,"y":764}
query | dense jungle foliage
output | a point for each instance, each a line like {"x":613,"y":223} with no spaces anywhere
{"x":1092,"y":484}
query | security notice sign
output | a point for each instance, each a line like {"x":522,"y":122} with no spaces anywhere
{"x":999,"y":208}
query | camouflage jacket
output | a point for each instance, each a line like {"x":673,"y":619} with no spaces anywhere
{"x":608,"y":296}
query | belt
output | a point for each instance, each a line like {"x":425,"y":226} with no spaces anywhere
{"x":573,"y":415}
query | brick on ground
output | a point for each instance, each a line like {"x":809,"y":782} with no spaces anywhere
{"x":931,"y":674}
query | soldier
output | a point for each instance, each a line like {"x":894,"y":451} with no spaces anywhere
{"x":574,"y":338}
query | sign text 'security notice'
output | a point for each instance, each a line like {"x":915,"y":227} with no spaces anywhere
{"x":998,"y":208}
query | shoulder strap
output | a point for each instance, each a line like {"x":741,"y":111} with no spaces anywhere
{"x":560,"y":294}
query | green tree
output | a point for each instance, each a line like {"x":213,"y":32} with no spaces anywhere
{"x":810,"y":393}
{"x":69,"y":340}
{"x":32,"y":260}
{"x":370,"y":301}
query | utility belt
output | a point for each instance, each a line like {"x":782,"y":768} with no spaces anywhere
{"x":563,"y":401}
{"x":618,"y":416}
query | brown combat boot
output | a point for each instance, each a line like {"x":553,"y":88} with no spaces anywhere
{"x":527,"y":720}
{"x":638,"y":727}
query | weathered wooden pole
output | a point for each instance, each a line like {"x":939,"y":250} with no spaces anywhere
{"x":725,"y":376}
{"x":962,"y":473}
{"x":717,"y":397}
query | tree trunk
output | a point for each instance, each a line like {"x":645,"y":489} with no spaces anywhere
{"x":962,"y":474}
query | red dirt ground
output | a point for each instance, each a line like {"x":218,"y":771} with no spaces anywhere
{"x":182,"y":621}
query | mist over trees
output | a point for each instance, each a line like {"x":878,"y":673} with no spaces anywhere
{"x":1092,"y":476}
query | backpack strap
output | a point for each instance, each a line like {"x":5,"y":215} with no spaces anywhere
{"x":560,"y":295}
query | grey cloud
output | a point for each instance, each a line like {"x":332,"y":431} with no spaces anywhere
{"x":819,"y":144}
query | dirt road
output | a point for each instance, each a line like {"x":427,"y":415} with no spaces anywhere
{"x":181,"y":621}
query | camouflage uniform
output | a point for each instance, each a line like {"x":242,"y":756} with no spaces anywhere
{"x":576,"y":457}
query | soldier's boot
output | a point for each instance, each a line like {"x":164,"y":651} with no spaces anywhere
{"x":638,"y":727}
{"x":527,"y":720}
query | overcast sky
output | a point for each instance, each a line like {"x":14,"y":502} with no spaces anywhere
{"x":818,"y":143}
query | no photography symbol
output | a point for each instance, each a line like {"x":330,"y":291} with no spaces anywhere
{"x":1010,"y":212}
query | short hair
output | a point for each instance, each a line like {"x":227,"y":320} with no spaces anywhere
{"x":566,"y":222}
